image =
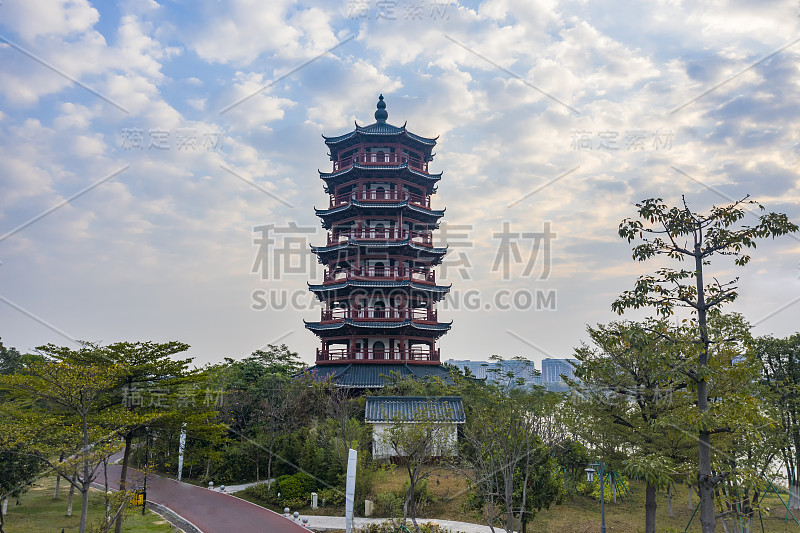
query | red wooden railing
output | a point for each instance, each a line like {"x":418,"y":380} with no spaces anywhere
{"x":382,"y":195}
{"x":387,"y":234}
{"x":388,"y":272}
{"x":365,"y":158}
{"x":345,"y":354}
{"x":380,"y":313}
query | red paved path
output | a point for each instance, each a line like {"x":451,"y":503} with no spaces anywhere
{"x":212,"y":512}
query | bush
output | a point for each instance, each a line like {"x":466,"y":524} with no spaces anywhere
{"x":389,"y":504}
{"x":290,"y":489}
{"x":333,"y":497}
{"x":387,"y":527}
{"x":262,"y":492}
{"x":307,"y":483}
{"x":422,"y":493}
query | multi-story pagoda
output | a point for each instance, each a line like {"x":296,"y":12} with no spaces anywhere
{"x":379,"y":290}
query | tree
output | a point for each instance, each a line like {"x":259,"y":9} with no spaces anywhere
{"x":627,"y":384}
{"x":18,"y":466}
{"x":512,"y":470}
{"x":780,"y":363}
{"x":148,"y":369}
{"x":72,"y":395}
{"x":267,"y":399}
{"x":414,"y":438}
{"x":681,"y":234}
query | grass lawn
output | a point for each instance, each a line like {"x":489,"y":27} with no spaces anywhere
{"x":38,"y":512}
{"x":577,"y":514}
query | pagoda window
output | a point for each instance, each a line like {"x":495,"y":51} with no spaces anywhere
{"x":378,"y":350}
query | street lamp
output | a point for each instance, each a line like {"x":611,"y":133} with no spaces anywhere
{"x":590,"y":478}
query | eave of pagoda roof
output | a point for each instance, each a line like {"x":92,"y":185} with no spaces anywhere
{"x":380,"y":284}
{"x":380,"y":130}
{"x":319,"y":326}
{"x":357,"y":166}
{"x":378,"y":244}
{"x":438,"y":213}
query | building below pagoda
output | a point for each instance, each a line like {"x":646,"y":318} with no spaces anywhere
{"x":379,"y":290}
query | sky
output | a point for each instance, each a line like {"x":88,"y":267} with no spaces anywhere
{"x":158,"y":160}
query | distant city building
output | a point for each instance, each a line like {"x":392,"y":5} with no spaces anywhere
{"x":553,"y":369}
{"x":498,"y":370}
{"x":550,"y":378}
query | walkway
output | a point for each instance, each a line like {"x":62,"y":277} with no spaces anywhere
{"x":210,"y":511}
{"x":327,"y":523}
{"x":213,"y":511}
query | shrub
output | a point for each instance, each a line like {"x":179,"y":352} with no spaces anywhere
{"x":387,"y":527}
{"x":290,"y":488}
{"x":307,"y":483}
{"x":389,"y":504}
{"x":331,"y":496}
{"x":262,"y":492}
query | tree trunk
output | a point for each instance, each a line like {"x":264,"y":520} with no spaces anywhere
{"x":2,"y":520}
{"x":84,"y":507}
{"x":650,"y":509}
{"x":58,"y":478}
{"x":705,"y":481}
{"x":123,"y":476}
{"x":105,"y":492}
{"x":69,"y":499}
{"x":4,"y":507}
{"x":86,"y":482}
{"x":690,"y":505}
{"x":794,"y":495}
{"x":669,"y":501}
{"x":269,"y":467}
{"x":613,"y":488}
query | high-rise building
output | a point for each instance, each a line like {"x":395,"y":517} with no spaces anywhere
{"x":553,"y":369}
{"x":499,"y":370}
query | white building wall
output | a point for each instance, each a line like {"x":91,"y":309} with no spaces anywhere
{"x":445,"y":445}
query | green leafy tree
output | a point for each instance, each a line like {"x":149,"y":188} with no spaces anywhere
{"x":72,"y":397}
{"x":681,"y":234}
{"x":17,"y":465}
{"x":148,"y":365}
{"x":414,"y":439}
{"x":628,"y":384}
{"x":512,"y":471}
{"x":780,"y":363}
{"x":266,"y":399}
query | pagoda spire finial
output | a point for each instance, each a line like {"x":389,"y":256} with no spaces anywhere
{"x":381,"y":114}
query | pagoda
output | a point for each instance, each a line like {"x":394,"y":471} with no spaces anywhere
{"x":379,"y":290}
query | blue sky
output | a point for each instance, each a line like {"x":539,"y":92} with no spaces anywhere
{"x":559,"y":113}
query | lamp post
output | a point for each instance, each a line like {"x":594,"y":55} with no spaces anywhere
{"x":590,"y":478}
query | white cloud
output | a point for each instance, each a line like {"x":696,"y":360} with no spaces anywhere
{"x":49,"y":17}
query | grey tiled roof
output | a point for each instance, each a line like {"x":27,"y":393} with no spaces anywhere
{"x":358,"y":166}
{"x":317,"y":326}
{"x":356,"y":203}
{"x":414,"y":409}
{"x":379,"y":128}
{"x":374,"y":375}
{"x":378,"y":244}
{"x":381,"y":284}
